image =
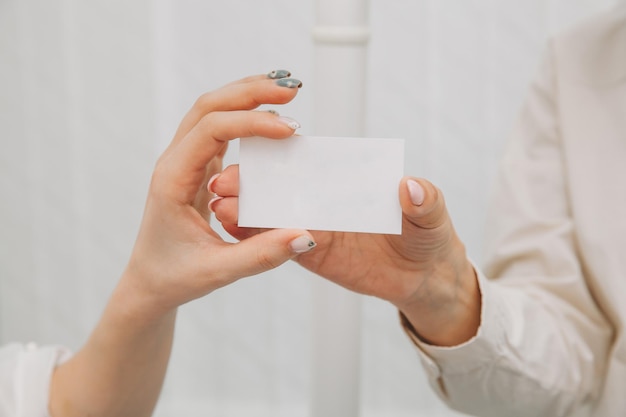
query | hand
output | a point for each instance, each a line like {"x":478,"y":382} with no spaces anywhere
{"x":178,"y":256}
{"x":424,"y":271}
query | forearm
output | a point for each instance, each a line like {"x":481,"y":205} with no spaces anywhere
{"x":120,"y":370}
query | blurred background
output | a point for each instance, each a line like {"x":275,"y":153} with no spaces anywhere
{"x":92,"y":91}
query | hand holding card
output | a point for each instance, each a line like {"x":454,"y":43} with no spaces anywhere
{"x":331,"y":184}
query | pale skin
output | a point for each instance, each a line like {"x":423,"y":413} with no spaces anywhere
{"x":177,"y":258}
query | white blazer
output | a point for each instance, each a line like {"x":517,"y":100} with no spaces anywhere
{"x":551,"y":341}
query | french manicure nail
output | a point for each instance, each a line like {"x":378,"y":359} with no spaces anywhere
{"x":416,"y":192}
{"x":302,"y":244}
{"x":277,"y":74}
{"x":213,"y":201}
{"x":289,"y":82}
{"x":211,"y":181}
{"x":291,"y":123}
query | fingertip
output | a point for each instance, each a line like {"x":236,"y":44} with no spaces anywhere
{"x":417,"y":194}
{"x":302,"y":244}
{"x":212,"y":202}
{"x":289,"y":122}
{"x":209,"y":185}
{"x":274,"y":127}
{"x":278,"y":74}
{"x":225,"y":209}
{"x":422,"y":202}
{"x":227,"y":183}
{"x":291,"y":83}
{"x":414,"y":196}
{"x":415,"y":191}
{"x":284,"y":90}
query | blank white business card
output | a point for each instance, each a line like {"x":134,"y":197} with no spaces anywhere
{"x":321,"y":183}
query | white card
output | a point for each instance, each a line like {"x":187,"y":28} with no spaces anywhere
{"x":321,"y":183}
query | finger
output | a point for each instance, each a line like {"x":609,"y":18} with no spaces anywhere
{"x":422,"y":203}
{"x":203,"y":196}
{"x":241,"y":233}
{"x":238,"y":96}
{"x":265,"y":251}
{"x":185,"y":165}
{"x":225,"y":209}
{"x":226,"y":183}
{"x":273,"y":75}
{"x":249,"y":79}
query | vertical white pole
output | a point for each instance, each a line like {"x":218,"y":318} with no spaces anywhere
{"x":341,"y":36}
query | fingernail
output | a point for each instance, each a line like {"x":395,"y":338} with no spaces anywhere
{"x":277,"y":74}
{"x":273,"y":112}
{"x":291,"y":123}
{"x":289,"y":83}
{"x":302,"y":244}
{"x":211,"y":181}
{"x":213,"y":201}
{"x":416,"y":192}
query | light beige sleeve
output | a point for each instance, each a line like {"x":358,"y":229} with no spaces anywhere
{"x":542,"y":345}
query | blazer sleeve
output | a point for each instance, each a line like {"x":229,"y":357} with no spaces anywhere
{"x":542,"y":344}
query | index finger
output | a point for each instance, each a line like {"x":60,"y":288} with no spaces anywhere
{"x":185,"y":165}
{"x":246,"y":94}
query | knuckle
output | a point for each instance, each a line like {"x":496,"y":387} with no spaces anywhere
{"x":159,"y":174}
{"x":204,"y":103}
{"x":208,"y":119}
{"x":211,"y":125}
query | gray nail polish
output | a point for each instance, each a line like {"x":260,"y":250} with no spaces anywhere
{"x":273,"y":112}
{"x":289,"y":82}
{"x":277,"y":74}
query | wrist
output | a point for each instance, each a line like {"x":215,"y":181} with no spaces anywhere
{"x":133,"y":299}
{"x":445,"y":311}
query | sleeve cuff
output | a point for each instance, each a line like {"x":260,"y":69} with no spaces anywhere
{"x":34,"y":371}
{"x":483,"y":348}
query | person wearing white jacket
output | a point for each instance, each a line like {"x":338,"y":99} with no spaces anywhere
{"x":551,"y":340}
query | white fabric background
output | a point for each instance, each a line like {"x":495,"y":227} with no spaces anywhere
{"x":90,"y":93}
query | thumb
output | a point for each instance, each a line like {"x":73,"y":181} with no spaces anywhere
{"x":422,"y":203}
{"x":266,"y":251}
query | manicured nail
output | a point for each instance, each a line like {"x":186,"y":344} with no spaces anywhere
{"x":276,"y":74}
{"x":213,"y":201}
{"x":211,"y":181}
{"x":291,"y":123}
{"x":274,"y":112}
{"x":302,"y":244}
{"x":416,"y":192}
{"x":289,"y":83}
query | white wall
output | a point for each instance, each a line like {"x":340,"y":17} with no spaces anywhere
{"x":90,"y":92}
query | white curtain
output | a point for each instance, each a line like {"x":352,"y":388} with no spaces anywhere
{"x":90,"y":93}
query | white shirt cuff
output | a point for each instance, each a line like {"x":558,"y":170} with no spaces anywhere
{"x":32,"y":378}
